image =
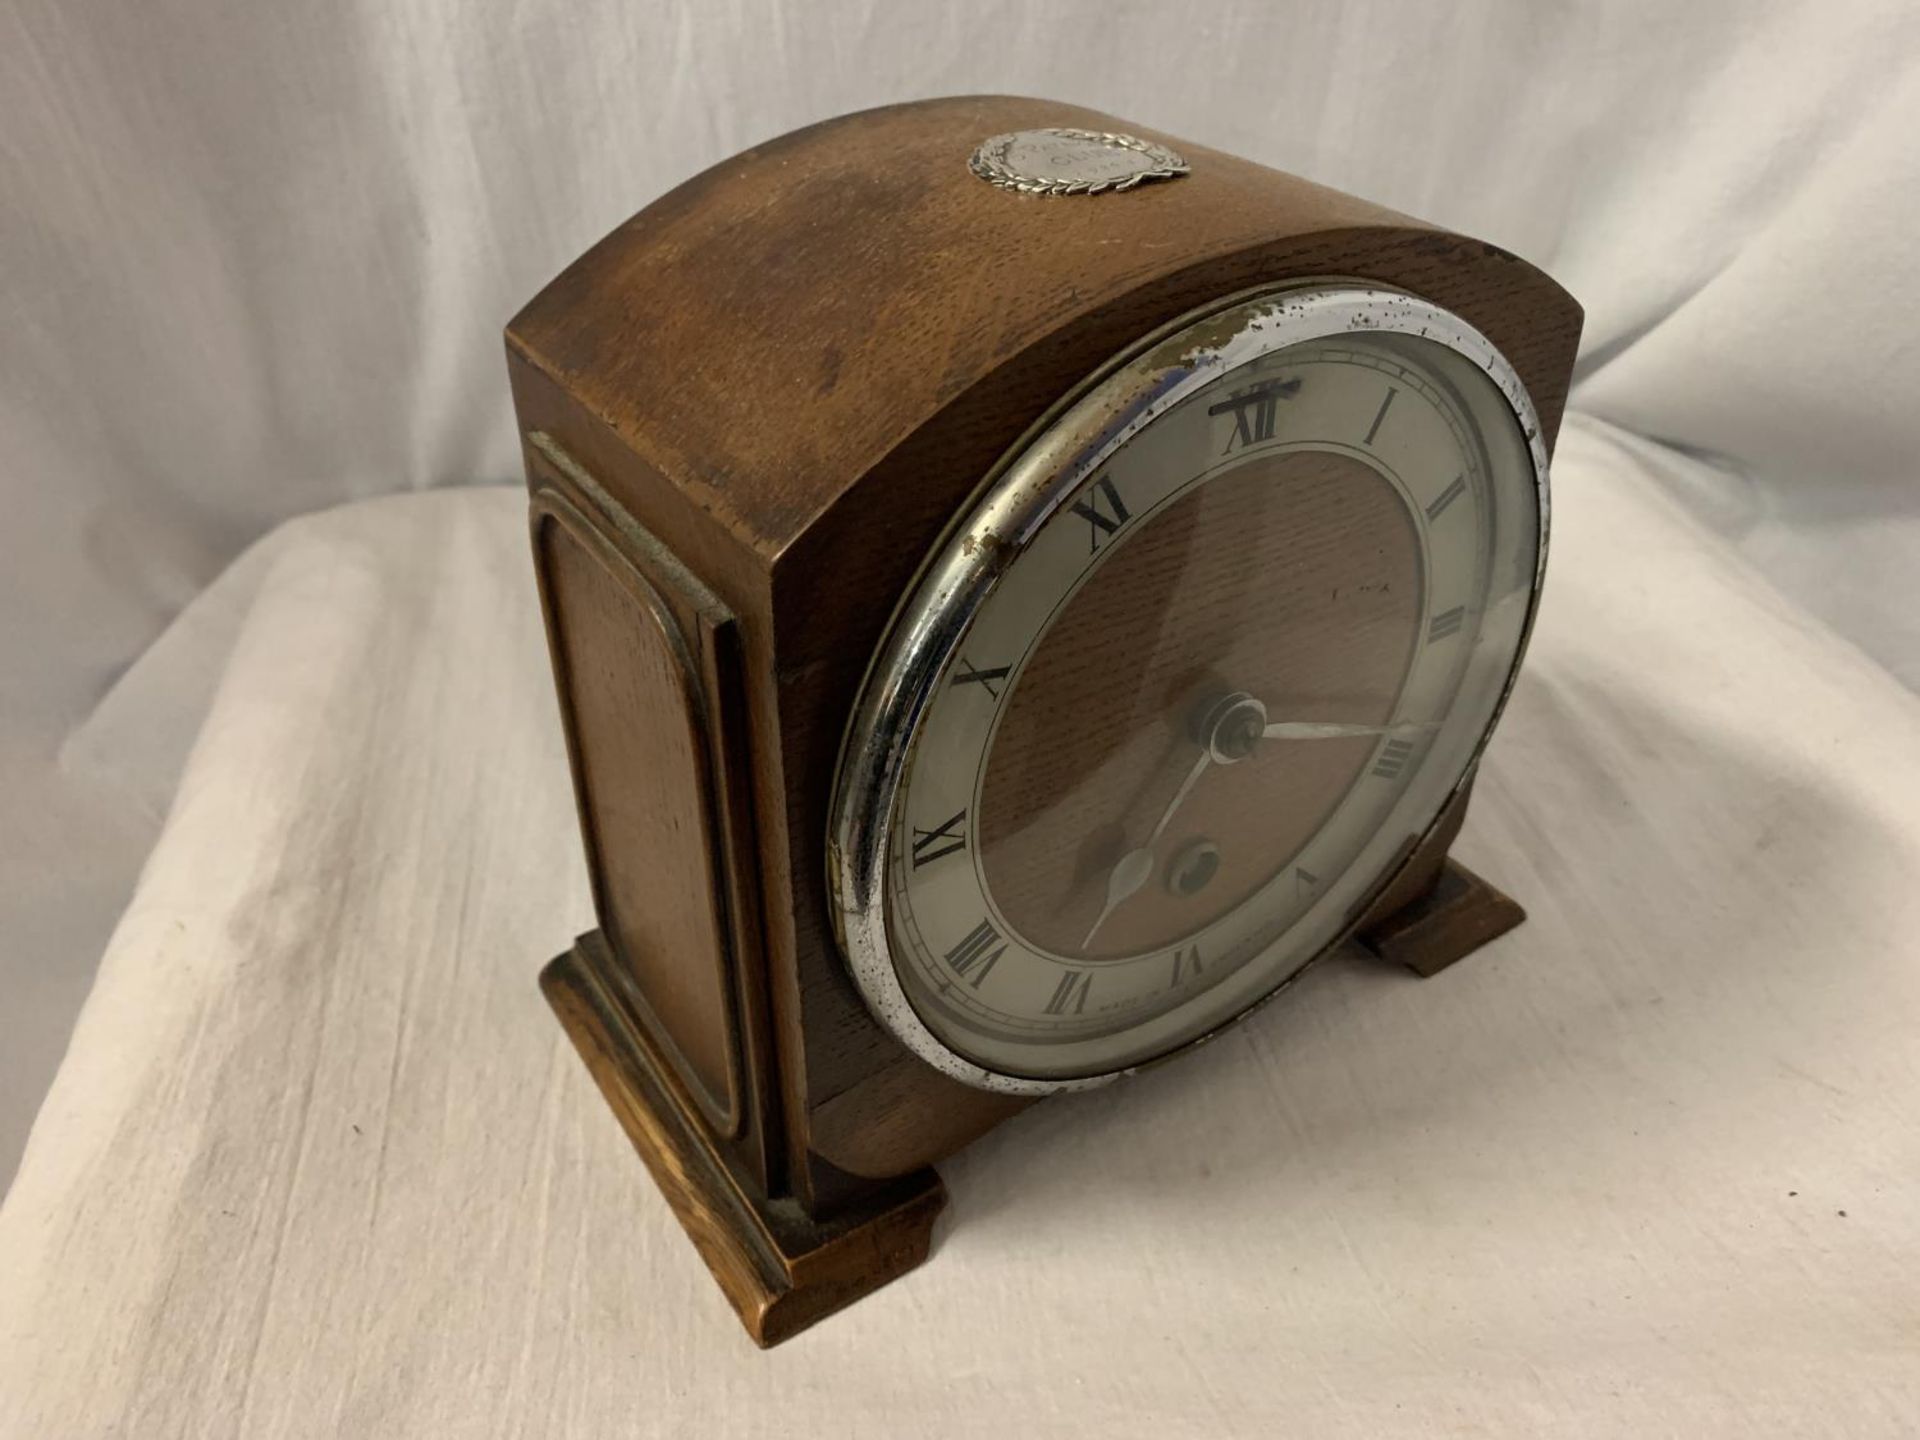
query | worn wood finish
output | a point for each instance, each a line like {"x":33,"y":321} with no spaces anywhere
{"x":788,"y":374}
{"x":1455,"y":916}
{"x":779,"y":1269}
{"x":646,"y":665}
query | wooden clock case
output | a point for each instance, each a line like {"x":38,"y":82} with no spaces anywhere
{"x":747,"y":415}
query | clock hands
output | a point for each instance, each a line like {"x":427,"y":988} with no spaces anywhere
{"x":1226,"y":731}
{"x":1135,"y":868}
{"x":1313,"y":730}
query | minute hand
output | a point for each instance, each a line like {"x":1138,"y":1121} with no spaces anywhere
{"x":1314,"y":730}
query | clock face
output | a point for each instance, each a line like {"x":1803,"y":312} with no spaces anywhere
{"x":1252,"y":606}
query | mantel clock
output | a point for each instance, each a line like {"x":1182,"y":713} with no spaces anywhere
{"x":1020,"y":588}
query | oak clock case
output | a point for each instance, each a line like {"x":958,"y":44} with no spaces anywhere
{"x":1019,"y":589}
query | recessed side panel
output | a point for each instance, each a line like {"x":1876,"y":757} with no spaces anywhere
{"x":631,"y":666}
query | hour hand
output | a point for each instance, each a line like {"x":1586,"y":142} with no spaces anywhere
{"x":1128,"y":876}
{"x":1315,"y":730}
{"x":1136,"y":866}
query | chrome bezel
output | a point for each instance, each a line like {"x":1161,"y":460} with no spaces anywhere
{"x":990,"y":533}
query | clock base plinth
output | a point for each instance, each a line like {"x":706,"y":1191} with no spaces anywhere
{"x":780,"y":1269}
{"x":1459,"y":914}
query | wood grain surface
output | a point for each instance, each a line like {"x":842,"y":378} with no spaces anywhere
{"x":1292,"y":578}
{"x":780,"y":1271}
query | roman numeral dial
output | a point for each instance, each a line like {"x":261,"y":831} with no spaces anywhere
{"x":1209,"y":691}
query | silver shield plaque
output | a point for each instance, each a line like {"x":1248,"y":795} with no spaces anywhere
{"x":1062,"y":161}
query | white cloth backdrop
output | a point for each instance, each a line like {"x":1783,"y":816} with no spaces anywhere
{"x":321,"y":1163}
{"x":253,"y":263}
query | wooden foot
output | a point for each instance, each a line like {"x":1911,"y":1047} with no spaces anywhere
{"x":1457,"y":916}
{"x":781,"y":1269}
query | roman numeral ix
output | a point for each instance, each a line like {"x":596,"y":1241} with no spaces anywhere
{"x":1102,"y":520}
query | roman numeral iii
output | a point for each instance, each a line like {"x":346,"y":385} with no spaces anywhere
{"x":1446,"y":623}
{"x":1392,"y":759}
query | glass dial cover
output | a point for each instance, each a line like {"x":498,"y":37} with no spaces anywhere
{"x":1186,"y":683}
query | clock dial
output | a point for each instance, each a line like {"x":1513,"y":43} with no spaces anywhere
{"x":1218,"y":692}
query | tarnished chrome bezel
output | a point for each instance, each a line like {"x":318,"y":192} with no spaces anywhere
{"x":992,"y":530}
